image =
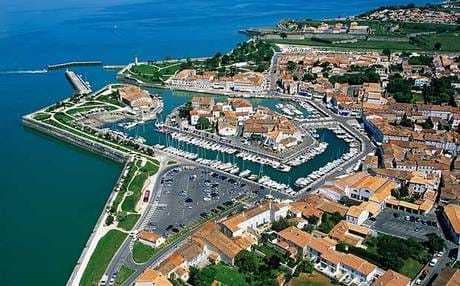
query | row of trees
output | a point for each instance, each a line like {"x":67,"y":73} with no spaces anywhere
{"x":356,"y":78}
{"x":391,"y":252}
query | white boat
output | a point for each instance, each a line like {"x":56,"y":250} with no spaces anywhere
{"x":245,"y":173}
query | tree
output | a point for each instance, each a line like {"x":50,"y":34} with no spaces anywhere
{"x":280,"y":224}
{"x":428,"y":124}
{"x":247,"y":261}
{"x":434,"y":243}
{"x":406,"y":122}
{"x":308,"y":76}
{"x":184,"y":112}
{"x":109,"y":220}
{"x":283,"y":35}
{"x":203,"y":123}
{"x":387,"y":52}
{"x":304,"y":266}
{"x":437,"y":46}
{"x":291,"y":66}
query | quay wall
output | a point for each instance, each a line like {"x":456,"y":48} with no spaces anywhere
{"x":77,"y":272}
{"x":97,"y":148}
{"x":68,"y":137}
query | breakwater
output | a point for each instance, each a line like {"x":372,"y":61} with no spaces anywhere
{"x":73,"y":139}
{"x":73,"y":64}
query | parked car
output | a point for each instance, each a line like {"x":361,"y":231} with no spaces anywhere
{"x":433,"y":262}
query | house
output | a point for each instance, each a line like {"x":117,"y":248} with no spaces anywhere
{"x":448,"y":277}
{"x":241,"y":105}
{"x":135,"y":97}
{"x":364,"y":187}
{"x":392,"y":278}
{"x":325,"y":258}
{"x":349,"y":233}
{"x":174,"y":267}
{"x":227,"y":126}
{"x":452,"y":218}
{"x":150,"y":238}
{"x":360,"y":271}
{"x":227,"y":248}
{"x":357,"y":215}
{"x":203,"y":102}
{"x":152,"y":277}
{"x":253,"y":218}
{"x":301,"y":243}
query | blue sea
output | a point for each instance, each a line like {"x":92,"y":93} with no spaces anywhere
{"x":52,"y":193}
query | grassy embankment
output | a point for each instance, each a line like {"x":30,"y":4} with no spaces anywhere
{"x":155,"y":73}
{"x":406,"y":38}
{"x":123,"y":274}
{"x":142,"y":252}
{"x":100,"y":259}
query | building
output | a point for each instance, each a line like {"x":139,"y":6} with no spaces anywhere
{"x":325,"y":258}
{"x":448,"y":277}
{"x":301,"y":244}
{"x":357,"y":215}
{"x":135,"y":97}
{"x":349,"y":233}
{"x":253,"y":218}
{"x":452,"y":218}
{"x":152,"y":277}
{"x":241,"y":105}
{"x":203,"y":102}
{"x":392,"y":278}
{"x":150,"y":238}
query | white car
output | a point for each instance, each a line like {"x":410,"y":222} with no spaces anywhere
{"x":433,"y":262}
{"x":439,"y":254}
{"x":418,"y":282}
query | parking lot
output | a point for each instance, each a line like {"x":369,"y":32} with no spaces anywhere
{"x":188,"y":193}
{"x":403,"y":224}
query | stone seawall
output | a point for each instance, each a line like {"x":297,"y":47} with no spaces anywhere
{"x":69,"y":137}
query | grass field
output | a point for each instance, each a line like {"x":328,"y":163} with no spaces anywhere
{"x":135,"y":187}
{"x":129,"y":221}
{"x":411,"y":267}
{"x":41,"y":116}
{"x":155,"y":72}
{"x":142,"y":252}
{"x":123,"y":274}
{"x":449,"y":43}
{"x":111,"y":98}
{"x":100,"y":259}
{"x":315,"y":279}
{"x":225,"y":274}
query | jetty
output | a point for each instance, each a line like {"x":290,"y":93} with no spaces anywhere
{"x":74,"y":64}
{"x":80,"y":86}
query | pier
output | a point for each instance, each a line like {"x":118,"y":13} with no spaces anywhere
{"x":79,"y":85}
{"x":74,"y":64}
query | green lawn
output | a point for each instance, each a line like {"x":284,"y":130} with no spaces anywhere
{"x":41,"y":116}
{"x":123,"y":274}
{"x":225,"y":274}
{"x":100,"y":259}
{"x":411,"y":267}
{"x":129,"y":204}
{"x":129,"y":221}
{"x":111,"y":98}
{"x":450,"y":42}
{"x":155,"y":72}
{"x":142,"y":252}
{"x":361,"y":44}
{"x":63,"y":118}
